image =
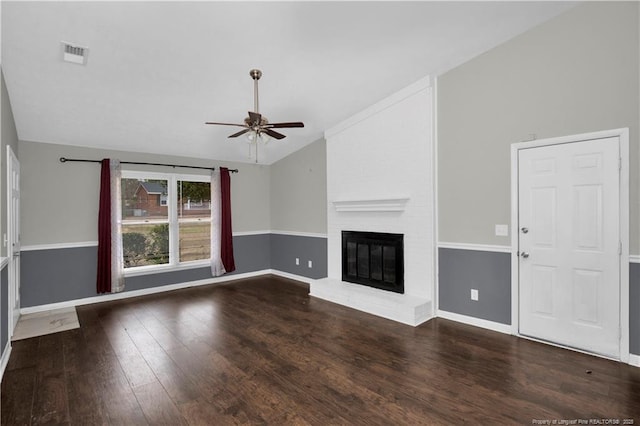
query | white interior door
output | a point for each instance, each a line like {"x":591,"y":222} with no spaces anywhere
{"x":569,"y":242}
{"x":13,"y":241}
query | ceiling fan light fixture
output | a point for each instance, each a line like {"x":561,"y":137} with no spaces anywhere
{"x":255,"y":137}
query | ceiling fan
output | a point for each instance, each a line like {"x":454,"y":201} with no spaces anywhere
{"x":256,"y":126}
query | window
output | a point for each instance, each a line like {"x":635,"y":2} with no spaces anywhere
{"x":166,"y":220}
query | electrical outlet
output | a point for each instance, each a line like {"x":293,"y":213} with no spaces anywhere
{"x":297,"y":260}
{"x":310,"y":264}
{"x":474,"y":294}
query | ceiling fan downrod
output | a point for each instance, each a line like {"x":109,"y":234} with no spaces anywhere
{"x":255,"y":75}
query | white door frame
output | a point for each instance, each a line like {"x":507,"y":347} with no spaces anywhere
{"x":623,"y":135}
{"x":13,"y":276}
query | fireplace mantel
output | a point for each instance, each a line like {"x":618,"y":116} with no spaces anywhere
{"x":372,"y":205}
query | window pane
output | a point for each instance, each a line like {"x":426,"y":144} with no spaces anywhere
{"x":145,"y":244}
{"x":194,"y":200}
{"x":194,"y":220}
{"x":195,"y":240}
{"x":144,"y":200}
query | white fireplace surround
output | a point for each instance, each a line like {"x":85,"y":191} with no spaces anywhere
{"x":380,"y":179}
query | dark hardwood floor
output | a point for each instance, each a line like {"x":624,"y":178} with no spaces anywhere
{"x":260,"y":351}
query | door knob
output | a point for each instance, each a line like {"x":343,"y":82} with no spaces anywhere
{"x":524,"y":229}
{"x":524,"y":254}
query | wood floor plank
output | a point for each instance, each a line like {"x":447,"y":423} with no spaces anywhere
{"x":18,"y":387}
{"x":81,"y":387}
{"x":261,"y":351}
{"x":157,"y":406}
{"x":50,"y":399}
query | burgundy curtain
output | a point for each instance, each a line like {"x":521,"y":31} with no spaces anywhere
{"x":226,"y":232}
{"x":103,"y":283}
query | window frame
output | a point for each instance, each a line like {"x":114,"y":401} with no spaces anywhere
{"x":172,"y":219}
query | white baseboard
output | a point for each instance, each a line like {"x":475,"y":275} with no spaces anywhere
{"x":634,"y":360}
{"x":477,"y":322}
{"x":5,"y":359}
{"x":295,"y":277}
{"x":143,"y":292}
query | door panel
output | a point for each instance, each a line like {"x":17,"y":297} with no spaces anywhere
{"x":570,"y":271}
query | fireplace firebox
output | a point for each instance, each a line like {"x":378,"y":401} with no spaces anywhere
{"x":373,"y":259}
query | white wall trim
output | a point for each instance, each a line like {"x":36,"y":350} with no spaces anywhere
{"x":300,"y":234}
{"x":142,"y":292}
{"x":623,"y":136}
{"x":55,"y":246}
{"x":4,"y":361}
{"x":634,"y":258}
{"x":634,"y":360}
{"x":477,"y":322}
{"x":423,"y":83}
{"x":477,"y":247}
{"x":247,"y":233}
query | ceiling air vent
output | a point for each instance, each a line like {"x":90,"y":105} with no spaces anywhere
{"x":74,"y":53}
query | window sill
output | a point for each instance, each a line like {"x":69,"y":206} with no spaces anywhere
{"x":160,"y":269}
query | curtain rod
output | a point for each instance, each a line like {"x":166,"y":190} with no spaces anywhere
{"x":64,"y":160}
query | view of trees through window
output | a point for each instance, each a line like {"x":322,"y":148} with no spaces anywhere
{"x":147,"y":225}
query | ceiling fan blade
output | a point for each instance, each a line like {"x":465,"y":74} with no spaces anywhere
{"x":283,"y":125}
{"x":255,"y":118}
{"x":241,"y":132}
{"x":273,"y":134}
{"x":226,"y":124}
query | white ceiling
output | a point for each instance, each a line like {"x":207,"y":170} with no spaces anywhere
{"x":157,"y":71}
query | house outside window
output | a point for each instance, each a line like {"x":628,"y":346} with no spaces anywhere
{"x":166,"y":221}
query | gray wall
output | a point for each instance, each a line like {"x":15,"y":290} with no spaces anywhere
{"x":63,"y":274}
{"x":59,"y":275}
{"x":286,"y":248}
{"x":576,"y":73}
{"x":299,"y":190}
{"x":488,"y":272}
{"x":60,"y":201}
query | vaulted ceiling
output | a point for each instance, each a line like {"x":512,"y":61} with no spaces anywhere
{"x":156,"y":71}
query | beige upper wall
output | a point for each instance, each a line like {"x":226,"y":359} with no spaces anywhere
{"x":59,"y":202}
{"x":9,"y":138}
{"x":299,"y":191}
{"x":574,"y":74}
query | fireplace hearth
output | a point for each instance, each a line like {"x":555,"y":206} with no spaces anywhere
{"x":373,"y":259}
